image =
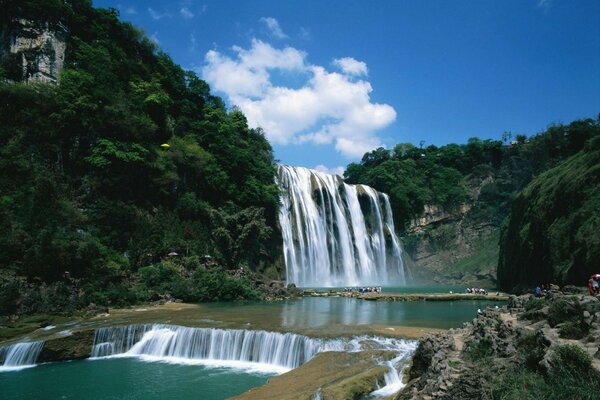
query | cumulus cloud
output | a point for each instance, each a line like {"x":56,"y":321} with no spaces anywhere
{"x":274,"y":28}
{"x":327,"y":108}
{"x":186,"y":13}
{"x":333,"y":171}
{"x":351,"y":66}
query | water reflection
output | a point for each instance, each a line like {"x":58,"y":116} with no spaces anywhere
{"x":322,"y":312}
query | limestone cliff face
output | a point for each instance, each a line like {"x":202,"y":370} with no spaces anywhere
{"x":449,"y":247}
{"x":33,"y":51}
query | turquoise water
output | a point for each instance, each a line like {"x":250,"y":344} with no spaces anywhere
{"x":137,"y":379}
{"x":125,"y":378}
{"x":324,"y":312}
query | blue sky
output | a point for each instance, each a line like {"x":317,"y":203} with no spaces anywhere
{"x":329,"y":80}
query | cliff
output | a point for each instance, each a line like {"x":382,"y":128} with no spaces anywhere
{"x":33,"y":51}
{"x":552,"y":234}
{"x":451,"y":247}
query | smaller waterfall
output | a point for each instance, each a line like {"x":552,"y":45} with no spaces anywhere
{"x":19,"y":355}
{"x":256,"y":350}
{"x":393,"y":378}
{"x":274,"y":351}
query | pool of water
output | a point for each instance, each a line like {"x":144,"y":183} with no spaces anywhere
{"x":140,"y":379}
{"x":126,"y":378}
{"x":319,"y":312}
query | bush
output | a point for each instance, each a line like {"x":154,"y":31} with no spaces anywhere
{"x":572,"y":358}
{"x":479,"y":349}
{"x":532,"y":349}
{"x":562,"y":310}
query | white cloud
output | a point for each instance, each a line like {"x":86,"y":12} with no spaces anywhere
{"x":186,"y":13}
{"x":351,"y":66}
{"x":327,"y":108}
{"x":273,"y":26}
{"x":157,"y":15}
{"x":333,"y":171}
{"x":130,"y":11}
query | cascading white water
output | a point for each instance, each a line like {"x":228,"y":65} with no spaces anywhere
{"x":19,"y":355}
{"x":393,"y":378}
{"x":335,"y":234}
{"x":283,"y":351}
{"x":260,"y":350}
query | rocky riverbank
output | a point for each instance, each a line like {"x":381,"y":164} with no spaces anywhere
{"x":547,"y":346}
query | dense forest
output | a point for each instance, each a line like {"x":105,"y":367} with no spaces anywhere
{"x":127,"y":160}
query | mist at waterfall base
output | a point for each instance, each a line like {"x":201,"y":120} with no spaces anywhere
{"x":335,"y":234}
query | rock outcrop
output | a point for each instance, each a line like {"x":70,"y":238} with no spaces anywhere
{"x":440,"y":240}
{"x":75,"y":346}
{"x":464,"y":363}
{"x":33,"y":51}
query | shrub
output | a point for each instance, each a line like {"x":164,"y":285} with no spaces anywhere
{"x":478,"y":349}
{"x":532,"y":349}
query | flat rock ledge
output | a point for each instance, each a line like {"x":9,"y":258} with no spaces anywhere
{"x":444,"y":365}
{"x":408,"y":296}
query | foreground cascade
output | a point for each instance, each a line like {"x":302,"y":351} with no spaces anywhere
{"x":335,"y":234}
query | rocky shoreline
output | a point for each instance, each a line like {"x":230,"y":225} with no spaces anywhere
{"x":528,"y":336}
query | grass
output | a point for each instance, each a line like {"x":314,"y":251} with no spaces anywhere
{"x":571,"y":378}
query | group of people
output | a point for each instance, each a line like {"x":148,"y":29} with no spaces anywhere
{"x":369,"y":289}
{"x":542,"y":290}
{"x":594,"y":284}
{"x":475,"y":290}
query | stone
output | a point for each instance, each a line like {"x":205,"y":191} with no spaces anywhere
{"x":33,"y":51}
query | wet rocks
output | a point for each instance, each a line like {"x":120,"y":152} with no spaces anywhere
{"x":75,"y":346}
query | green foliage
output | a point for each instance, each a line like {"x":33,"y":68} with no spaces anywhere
{"x":479,"y":349}
{"x":572,"y":377}
{"x":552,"y":232}
{"x":167,"y":279}
{"x":90,"y":199}
{"x":532,"y":350}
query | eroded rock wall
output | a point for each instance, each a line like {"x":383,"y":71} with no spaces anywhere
{"x":33,"y":51}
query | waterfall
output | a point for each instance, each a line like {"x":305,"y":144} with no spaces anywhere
{"x":19,"y":355}
{"x":335,"y":234}
{"x":279,"y":351}
{"x":393,"y":378}
{"x":257,"y":350}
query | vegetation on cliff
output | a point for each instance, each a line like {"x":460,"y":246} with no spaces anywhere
{"x":552,"y":234}
{"x":128,"y":159}
{"x":473,"y":186}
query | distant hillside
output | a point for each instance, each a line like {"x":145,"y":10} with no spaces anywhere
{"x":450,"y":201}
{"x":553,"y":234}
{"x":125,"y":159}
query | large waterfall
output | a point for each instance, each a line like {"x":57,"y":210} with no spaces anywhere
{"x":335,"y":234}
{"x":19,"y":355}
